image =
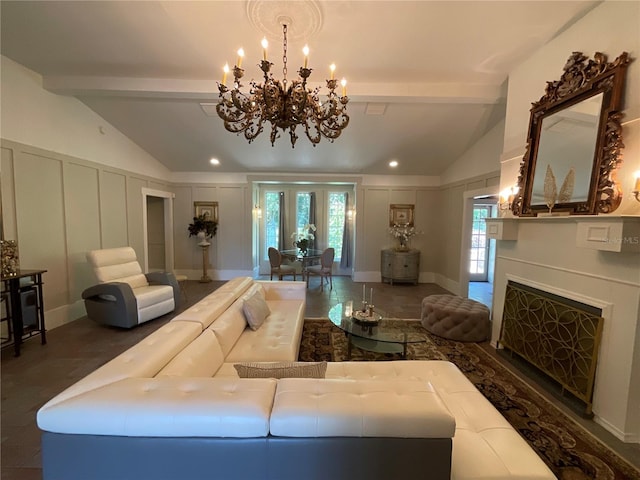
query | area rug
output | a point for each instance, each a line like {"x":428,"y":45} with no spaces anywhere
{"x":569,"y":450}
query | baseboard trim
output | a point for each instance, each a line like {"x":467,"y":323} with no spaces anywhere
{"x":616,"y":432}
{"x":216,"y":274}
{"x":448,"y":284}
{"x":56,"y":317}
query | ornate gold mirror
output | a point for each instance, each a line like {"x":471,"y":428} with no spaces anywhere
{"x":575,"y":141}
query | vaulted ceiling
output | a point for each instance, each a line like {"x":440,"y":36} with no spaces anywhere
{"x":426,"y":79}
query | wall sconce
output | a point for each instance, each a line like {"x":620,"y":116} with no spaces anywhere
{"x":507,"y":196}
{"x":351,"y":213}
{"x":636,"y":187}
{"x":257,"y":211}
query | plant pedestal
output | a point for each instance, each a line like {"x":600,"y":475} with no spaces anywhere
{"x":205,"y":250}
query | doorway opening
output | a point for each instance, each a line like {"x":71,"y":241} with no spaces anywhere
{"x":476,"y":262}
{"x":157,"y":220}
{"x":481,"y":252}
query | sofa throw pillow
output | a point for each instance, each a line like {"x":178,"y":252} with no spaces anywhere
{"x":255,"y":310}
{"x":281,"y":370}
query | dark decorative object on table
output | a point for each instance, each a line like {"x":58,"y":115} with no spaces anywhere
{"x":10,"y":262}
{"x":201,"y":223}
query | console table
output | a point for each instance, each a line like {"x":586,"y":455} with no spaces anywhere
{"x":400,"y":266}
{"x":14,"y":288}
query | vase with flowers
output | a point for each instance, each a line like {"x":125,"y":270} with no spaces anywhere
{"x":402,"y":233}
{"x":203,"y":228}
{"x":302,"y":238}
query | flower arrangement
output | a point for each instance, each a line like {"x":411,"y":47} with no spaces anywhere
{"x":302,"y":238}
{"x":201,"y":223}
{"x":403,"y":233}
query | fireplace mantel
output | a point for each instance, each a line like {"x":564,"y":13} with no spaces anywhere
{"x":598,"y":232}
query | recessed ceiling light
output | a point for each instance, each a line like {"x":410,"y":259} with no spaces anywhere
{"x":214,"y":161}
{"x":393,"y":163}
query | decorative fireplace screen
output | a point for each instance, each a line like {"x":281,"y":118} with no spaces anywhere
{"x":557,"y":335}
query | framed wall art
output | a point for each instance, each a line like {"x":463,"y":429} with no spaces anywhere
{"x":208,"y":209}
{"x":401,"y":214}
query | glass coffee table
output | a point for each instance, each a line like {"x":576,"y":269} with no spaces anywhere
{"x":376,"y":333}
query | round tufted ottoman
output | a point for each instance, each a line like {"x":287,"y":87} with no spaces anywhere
{"x":456,"y":318}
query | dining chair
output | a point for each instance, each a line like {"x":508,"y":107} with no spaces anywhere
{"x":324,"y":270}
{"x":275,"y":259}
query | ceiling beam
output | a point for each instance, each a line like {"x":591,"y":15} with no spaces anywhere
{"x":207,"y":89}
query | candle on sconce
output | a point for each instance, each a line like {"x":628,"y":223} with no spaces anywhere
{"x":637,"y":184}
{"x":344,"y":87}
{"x":332,"y":67}
{"x":240,"y":56}
{"x":305,"y":50}
{"x":265,"y":44}
{"x":225,"y":70}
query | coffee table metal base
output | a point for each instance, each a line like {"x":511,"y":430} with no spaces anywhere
{"x":375,"y":346}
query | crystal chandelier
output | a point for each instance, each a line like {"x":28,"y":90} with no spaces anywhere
{"x":284,"y":106}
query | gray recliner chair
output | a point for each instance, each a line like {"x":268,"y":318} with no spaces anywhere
{"x":126,"y":297}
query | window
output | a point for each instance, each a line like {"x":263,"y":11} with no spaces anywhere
{"x":271,"y":219}
{"x":337,"y":206}
{"x":303,"y":203}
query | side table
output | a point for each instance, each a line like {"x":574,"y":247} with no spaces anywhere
{"x":400,"y":266}
{"x":17,"y":327}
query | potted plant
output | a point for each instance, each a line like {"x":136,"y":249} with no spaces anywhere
{"x":203,"y":228}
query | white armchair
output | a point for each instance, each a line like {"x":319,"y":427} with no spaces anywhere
{"x":125,"y":297}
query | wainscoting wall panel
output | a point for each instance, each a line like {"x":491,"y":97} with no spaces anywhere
{"x":82,"y":223}
{"x":113,"y":201}
{"x":41,"y":221}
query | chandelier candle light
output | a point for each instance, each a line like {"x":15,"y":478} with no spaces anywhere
{"x":283,"y":106}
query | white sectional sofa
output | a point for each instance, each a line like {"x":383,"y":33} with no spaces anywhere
{"x":173,"y":407}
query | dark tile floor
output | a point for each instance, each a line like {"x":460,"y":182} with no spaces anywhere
{"x":78,"y":348}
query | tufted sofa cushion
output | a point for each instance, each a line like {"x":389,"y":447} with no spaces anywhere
{"x":485,"y":445}
{"x":456,"y":318}
{"x":144,"y":359}
{"x":201,"y":358}
{"x":306,"y":407}
{"x":190,"y":407}
{"x":277,"y":340}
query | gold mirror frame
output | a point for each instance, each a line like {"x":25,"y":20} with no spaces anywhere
{"x":582,"y":79}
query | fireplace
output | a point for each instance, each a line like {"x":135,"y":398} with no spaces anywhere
{"x":557,"y":335}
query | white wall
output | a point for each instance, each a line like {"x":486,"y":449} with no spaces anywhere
{"x":34,"y":116}
{"x":481,"y":158}
{"x":546,"y":251}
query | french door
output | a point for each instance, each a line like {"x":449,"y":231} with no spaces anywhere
{"x":479,"y":257}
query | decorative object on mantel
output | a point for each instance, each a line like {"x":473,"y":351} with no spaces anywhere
{"x":550,"y":189}
{"x":551,"y":195}
{"x":636,"y":187}
{"x":284,"y":106}
{"x":506,"y":199}
{"x":587,"y":99}
{"x":10,"y":260}
{"x":566,"y":190}
{"x":303,"y":238}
